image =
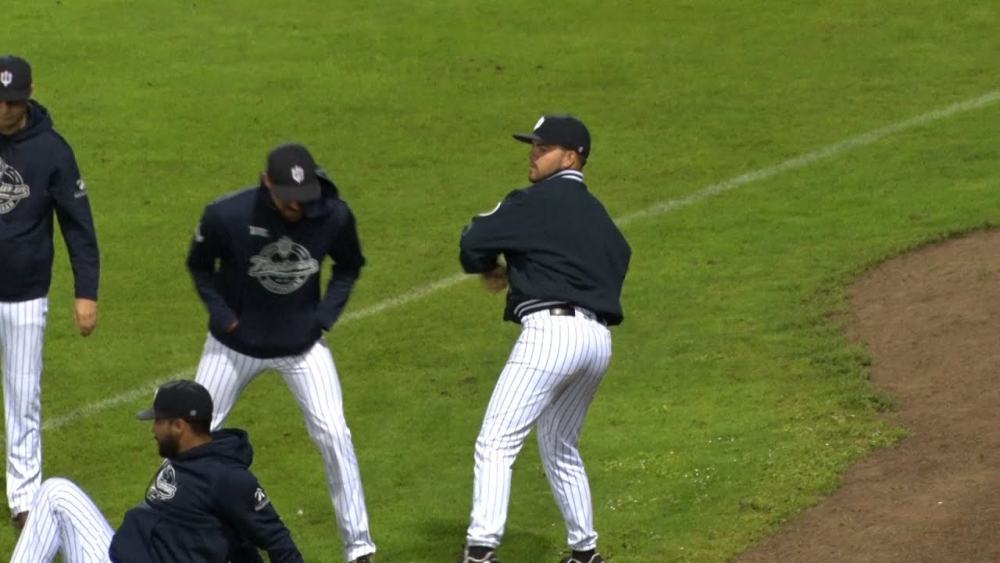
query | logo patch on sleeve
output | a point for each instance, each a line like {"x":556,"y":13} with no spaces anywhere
{"x":81,"y":188}
{"x":260,"y":499}
{"x":491,"y":211}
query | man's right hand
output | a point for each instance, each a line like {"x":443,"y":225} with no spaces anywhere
{"x":495,"y":280}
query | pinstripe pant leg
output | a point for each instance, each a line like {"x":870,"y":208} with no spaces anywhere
{"x":535,"y":370}
{"x":559,"y":435}
{"x":312,"y":378}
{"x":62,"y":518}
{"x":22,"y":335}
{"x":225,"y":373}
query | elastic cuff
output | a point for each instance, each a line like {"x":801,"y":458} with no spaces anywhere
{"x":355,"y":553}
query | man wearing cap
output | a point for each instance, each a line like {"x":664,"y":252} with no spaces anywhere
{"x":202,"y":506}
{"x":255,"y":260}
{"x":39,"y":179}
{"x":566,"y":262}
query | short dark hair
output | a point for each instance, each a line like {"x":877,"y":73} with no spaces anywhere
{"x":200,"y":426}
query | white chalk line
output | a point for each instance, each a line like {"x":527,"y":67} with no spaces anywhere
{"x":660,"y":208}
{"x":148,"y":390}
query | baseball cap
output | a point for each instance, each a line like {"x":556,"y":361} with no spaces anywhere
{"x":292,"y":171}
{"x":181,"y":398}
{"x":15,"y":79}
{"x":563,"y":130}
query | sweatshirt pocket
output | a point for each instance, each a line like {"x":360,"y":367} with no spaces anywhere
{"x":270,"y":330}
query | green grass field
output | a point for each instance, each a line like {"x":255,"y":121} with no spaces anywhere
{"x":734,"y":399}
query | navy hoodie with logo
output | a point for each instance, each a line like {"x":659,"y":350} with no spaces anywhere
{"x":252,"y":266}
{"x":205,"y":506}
{"x":39,"y":178}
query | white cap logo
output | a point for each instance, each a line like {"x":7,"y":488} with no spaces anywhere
{"x":298,"y":174}
{"x":6,"y":78}
{"x":541,"y":120}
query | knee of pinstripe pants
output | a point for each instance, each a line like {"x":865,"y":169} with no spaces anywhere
{"x":63,"y":520}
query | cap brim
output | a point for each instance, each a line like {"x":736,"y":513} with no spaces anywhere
{"x":303,"y":192}
{"x":527,"y":137}
{"x":148,"y":414}
{"x":15,"y":95}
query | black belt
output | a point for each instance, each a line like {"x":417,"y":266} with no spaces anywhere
{"x":565,"y":311}
{"x":562,"y":312}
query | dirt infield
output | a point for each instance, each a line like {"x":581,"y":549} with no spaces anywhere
{"x":932,"y":321}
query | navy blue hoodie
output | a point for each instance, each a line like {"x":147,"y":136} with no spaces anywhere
{"x":560,"y":245}
{"x":268,"y":272}
{"x":39,"y":176}
{"x":205,"y":506}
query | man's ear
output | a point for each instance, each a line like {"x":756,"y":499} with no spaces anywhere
{"x":179,"y":426}
{"x":572,"y":160}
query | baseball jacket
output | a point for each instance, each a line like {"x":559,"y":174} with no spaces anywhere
{"x":205,"y":506}
{"x":39,"y":178}
{"x":249,"y":264}
{"x":560,"y":245}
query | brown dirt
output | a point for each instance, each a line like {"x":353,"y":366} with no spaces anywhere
{"x":931,"y":319}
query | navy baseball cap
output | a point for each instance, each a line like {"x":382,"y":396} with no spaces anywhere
{"x":15,"y":79}
{"x":181,"y":398}
{"x":563,"y":130}
{"x":292,"y":171}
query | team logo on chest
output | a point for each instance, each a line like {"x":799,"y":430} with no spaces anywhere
{"x":164,"y":486}
{"x":283,"y":266}
{"x":12,"y":187}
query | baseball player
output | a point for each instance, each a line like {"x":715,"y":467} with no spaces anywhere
{"x":38,"y":179}
{"x":265,"y":310}
{"x":565,"y":265}
{"x":202,"y":506}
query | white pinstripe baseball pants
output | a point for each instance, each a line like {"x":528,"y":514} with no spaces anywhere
{"x":22,"y":336}
{"x":63,"y":519}
{"x":312,"y":378}
{"x":550,"y":380}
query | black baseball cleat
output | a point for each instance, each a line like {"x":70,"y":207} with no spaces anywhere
{"x":479,"y":554}
{"x":576,"y":558}
{"x":364,"y":559}
{"x":18,"y":520}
